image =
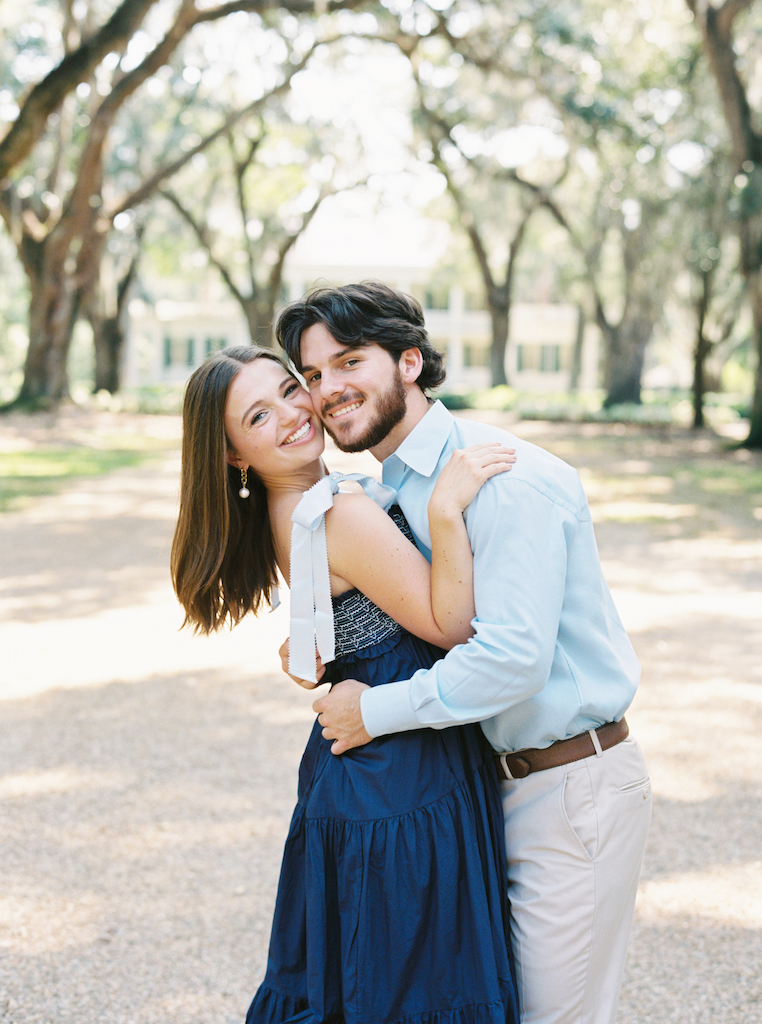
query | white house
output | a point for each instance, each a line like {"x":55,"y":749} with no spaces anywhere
{"x":169,"y":339}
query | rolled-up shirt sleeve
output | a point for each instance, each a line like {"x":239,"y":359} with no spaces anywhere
{"x":520,"y":537}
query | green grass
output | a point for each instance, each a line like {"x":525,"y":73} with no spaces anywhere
{"x":657,"y":409}
{"x":732,"y":489}
{"x":31,"y":474}
{"x":721,"y":494}
{"x":626,"y":467}
{"x":730,"y":478}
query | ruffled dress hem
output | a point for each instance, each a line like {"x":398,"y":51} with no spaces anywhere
{"x":280,"y":1008}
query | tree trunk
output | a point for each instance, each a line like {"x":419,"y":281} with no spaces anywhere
{"x":700,"y":352}
{"x":751,"y":264}
{"x":500,"y":313}
{"x":108,"y":342}
{"x":259,"y":313}
{"x":108,"y":318}
{"x":754,"y":440}
{"x":624,"y":364}
{"x":716,"y":25}
{"x":53,"y":309}
{"x":575,"y":371}
{"x":701,"y":349}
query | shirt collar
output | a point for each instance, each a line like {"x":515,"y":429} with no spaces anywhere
{"x":423,"y":446}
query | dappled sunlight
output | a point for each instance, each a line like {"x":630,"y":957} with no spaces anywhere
{"x":632,"y":511}
{"x":36,"y":920}
{"x":148,"y":776}
{"x":699,"y":716}
{"x":280,"y":713}
{"x":143,"y":828}
{"x":58,"y":780}
{"x":663,"y":607}
{"x":142,"y":845}
{"x":721,"y":549}
{"x":730,"y":894}
{"x":599,"y":488}
{"x":134,"y":643}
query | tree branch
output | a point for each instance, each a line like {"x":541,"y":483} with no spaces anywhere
{"x":48,"y":94}
{"x":728,"y":12}
{"x":293,"y":6}
{"x":78,"y":65}
{"x":202,"y":235}
{"x":715,"y":26}
{"x":240,"y":166}
{"x":143,"y":191}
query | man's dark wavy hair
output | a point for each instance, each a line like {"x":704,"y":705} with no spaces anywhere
{"x":363,"y":314}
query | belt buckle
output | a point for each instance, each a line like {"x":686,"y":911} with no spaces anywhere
{"x":521,"y":768}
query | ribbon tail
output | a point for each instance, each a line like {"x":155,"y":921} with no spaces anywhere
{"x":301,"y":642}
{"x":312,"y":629}
{"x":324,"y":631}
{"x":311,"y":608}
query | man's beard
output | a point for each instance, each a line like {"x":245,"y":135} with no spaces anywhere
{"x":390,"y":411}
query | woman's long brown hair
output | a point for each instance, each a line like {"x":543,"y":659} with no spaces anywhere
{"x":223,"y":558}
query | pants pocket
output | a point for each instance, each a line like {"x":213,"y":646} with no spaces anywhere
{"x":580,"y":811}
{"x":635,"y":787}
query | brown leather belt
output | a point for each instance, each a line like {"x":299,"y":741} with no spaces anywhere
{"x":524,"y":762}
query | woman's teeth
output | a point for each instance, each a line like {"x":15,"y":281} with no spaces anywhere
{"x":298,"y":434}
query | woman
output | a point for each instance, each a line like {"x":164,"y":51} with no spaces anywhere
{"x":391,"y":904}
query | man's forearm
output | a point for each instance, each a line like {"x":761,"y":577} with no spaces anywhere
{"x":498,"y":668}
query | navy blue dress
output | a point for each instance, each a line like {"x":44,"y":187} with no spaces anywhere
{"x":392,"y":902}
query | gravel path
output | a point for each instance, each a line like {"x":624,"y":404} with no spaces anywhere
{"x":147,"y":776}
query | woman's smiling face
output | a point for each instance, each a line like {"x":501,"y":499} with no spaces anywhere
{"x":270,"y":422}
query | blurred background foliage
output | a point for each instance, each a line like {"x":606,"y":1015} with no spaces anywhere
{"x":609,"y":157}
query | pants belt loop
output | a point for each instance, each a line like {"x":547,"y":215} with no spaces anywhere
{"x":504,"y":765}
{"x":596,"y":743}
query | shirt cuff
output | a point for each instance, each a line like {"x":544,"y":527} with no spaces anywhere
{"x":386,"y":709}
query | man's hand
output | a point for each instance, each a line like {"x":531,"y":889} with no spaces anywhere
{"x":306,"y":683}
{"x":339,"y":715}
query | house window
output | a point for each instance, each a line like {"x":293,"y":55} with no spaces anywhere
{"x":550,"y":359}
{"x":540,"y":358}
{"x":179,"y":351}
{"x":527,"y":357}
{"x":475,"y":354}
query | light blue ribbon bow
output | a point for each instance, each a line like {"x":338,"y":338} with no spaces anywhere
{"x":311,"y":630}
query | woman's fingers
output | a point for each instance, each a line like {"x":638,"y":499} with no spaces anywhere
{"x":308,"y":684}
{"x":467,"y":470}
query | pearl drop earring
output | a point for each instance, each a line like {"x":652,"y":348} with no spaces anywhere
{"x":244,"y":491}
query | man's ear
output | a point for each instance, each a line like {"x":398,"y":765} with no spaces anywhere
{"x":411,"y":364}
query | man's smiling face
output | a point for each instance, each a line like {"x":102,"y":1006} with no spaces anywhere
{"x":357,"y":392}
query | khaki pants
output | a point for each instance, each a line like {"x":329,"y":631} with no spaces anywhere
{"x":575,"y":837}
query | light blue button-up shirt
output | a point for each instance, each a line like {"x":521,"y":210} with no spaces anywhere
{"x":550,"y":657}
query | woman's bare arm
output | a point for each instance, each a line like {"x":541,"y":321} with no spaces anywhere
{"x":367,"y":551}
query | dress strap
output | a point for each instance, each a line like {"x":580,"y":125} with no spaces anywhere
{"x":311,"y":629}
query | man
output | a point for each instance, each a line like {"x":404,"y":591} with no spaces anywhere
{"x":549,"y":672}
